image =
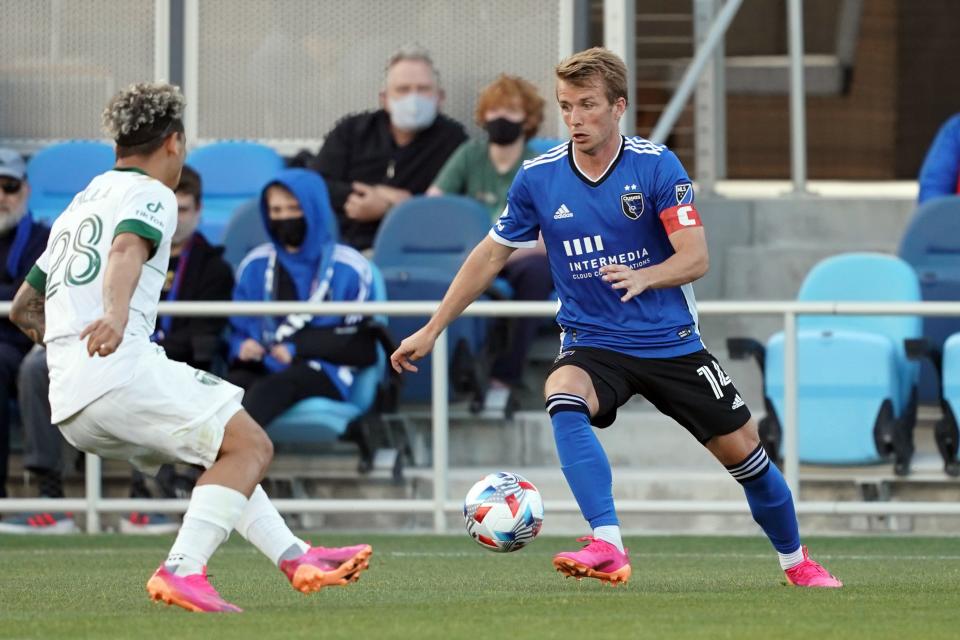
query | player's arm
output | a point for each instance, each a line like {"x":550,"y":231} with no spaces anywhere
{"x":474,"y":277}
{"x":128,"y":253}
{"x":689,"y":261}
{"x":27,"y":310}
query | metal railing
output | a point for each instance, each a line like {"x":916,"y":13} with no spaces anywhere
{"x":93,"y":504}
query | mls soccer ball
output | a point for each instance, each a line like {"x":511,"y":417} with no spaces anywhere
{"x":503,"y":512}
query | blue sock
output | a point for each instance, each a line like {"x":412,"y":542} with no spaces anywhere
{"x":582,"y":459}
{"x":770,"y":500}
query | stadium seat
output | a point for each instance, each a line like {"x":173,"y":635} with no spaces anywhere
{"x":542,"y":145}
{"x":323,"y":420}
{"x":232,"y":173}
{"x":419,"y":265}
{"x":60,"y":171}
{"x":932,"y":247}
{"x":856,"y":386}
{"x":945,"y":363}
{"x":244,"y":232}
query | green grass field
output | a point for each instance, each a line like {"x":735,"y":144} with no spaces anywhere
{"x":448,"y":587}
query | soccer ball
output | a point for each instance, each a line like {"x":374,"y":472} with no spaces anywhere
{"x":503,"y":512}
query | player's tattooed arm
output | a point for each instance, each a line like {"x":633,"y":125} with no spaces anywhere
{"x":27,"y":312}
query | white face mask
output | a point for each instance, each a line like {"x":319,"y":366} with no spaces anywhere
{"x":413,"y":112}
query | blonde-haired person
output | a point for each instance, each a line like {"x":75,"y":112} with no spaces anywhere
{"x":92,"y":299}
{"x":626,"y":242}
{"x":510,"y":111}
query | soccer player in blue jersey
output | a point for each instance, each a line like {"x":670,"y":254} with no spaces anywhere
{"x":625,"y":242}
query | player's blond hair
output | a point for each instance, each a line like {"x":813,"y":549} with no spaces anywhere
{"x":142,"y":115}
{"x":587,"y":67}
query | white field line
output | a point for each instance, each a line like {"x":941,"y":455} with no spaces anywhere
{"x":481,"y":553}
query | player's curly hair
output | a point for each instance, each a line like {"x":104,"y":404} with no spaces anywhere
{"x":583,"y":68}
{"x":142,"y":115}
{"x":508,"y":91}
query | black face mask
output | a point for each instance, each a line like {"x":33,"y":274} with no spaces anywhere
{"x":290,"y":232}
{"x":503,"y":131}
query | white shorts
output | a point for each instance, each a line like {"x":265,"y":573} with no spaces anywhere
{"x":170,"y":412}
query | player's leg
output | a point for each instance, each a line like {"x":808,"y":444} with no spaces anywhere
{"x":308,"y":568}
{"x":771,"y":502}
{"x":216,"y":505}
{"x":571,"y":400}
{"x":696,"y":392}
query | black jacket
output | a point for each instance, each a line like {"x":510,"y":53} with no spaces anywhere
{"x":207,"y":277}
{"x":361,"y":148}
{"x":10,"y":280}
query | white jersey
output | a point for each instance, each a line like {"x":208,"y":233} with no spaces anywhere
{"x":70,"y":272}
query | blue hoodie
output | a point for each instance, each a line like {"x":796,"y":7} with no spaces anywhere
{"x":940,"y":173}
{"x":321,"y":269}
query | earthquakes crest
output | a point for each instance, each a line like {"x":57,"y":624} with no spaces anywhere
{"x":632,"y":204}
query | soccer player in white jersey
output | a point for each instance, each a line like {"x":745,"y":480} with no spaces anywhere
{"x":625,"y":242}
{"x":92,"y":299}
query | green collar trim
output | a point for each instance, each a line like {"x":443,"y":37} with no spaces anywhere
{"x":132,"y":169}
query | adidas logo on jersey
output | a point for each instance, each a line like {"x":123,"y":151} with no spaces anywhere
{"x":562,"y":213}
{"x":737,"y":402}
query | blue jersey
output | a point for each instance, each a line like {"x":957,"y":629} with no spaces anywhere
{"x":624,"y":217}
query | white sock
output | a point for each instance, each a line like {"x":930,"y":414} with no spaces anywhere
{"x":609,"y":533}
{"x":790,"y":560}
{"x":213,"y":511}
{"x":263,"y":526}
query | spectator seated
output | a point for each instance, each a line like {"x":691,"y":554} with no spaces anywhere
{"x":932,"y":247}
{"x":58,"y":172}
{"x":244,"y":232}
{"x":856,"y":387}
{"x":232,"y":172}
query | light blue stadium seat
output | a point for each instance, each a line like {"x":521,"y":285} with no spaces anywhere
{"x":244,"y":232}
{"x":946,"y":430}
{"x":932,"y":247}
{"x":419,"y":247}
{"x":233,"y":172}
{"x":321,"y":420}
{"x":542,"y":145}
{"x":60,"y":171}
{"x":856,"y":387}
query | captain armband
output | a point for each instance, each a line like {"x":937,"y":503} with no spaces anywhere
{"x":680,"y":217}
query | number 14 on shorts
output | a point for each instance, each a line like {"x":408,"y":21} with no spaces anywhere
{"x":717,"y":382}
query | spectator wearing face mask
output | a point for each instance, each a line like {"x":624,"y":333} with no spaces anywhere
{"x":510,"y":111}
{"x":374,"y":160}
{"x":282,"y":360}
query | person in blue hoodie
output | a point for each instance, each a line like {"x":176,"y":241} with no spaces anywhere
{"x":22,"y":240}
{"x":282,"y":360}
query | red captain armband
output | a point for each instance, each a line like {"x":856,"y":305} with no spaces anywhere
{"x":680,"y":217}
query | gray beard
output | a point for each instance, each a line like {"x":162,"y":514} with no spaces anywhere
{"x":10,"y":220}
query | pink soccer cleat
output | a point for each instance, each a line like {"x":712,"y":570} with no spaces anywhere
{"x":810,"y":573}
{"x":598,"y":559}
{"x":322,"y":567}
{"x":193,"y":592}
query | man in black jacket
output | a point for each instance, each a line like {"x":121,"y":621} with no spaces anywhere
{"x":374,"y":160}
{"x":22,"y":240}
{"x":196,"y":271}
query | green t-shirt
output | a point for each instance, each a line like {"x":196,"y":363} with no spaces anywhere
{"x":469,"y":172}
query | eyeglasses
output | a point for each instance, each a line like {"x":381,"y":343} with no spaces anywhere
{"x":11,"y":187}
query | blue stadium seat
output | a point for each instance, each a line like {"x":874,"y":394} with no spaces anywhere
{"x":946,"y":431}
{"x":244,"y":232}
{"x":60,"y":171}
{"x":856,"y":386}
{"x":542,"y":145}
{"x":232,"y":173}
{"x":321,"y":420}
{"x":419,"y":247}
{"x":932,"y":247}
